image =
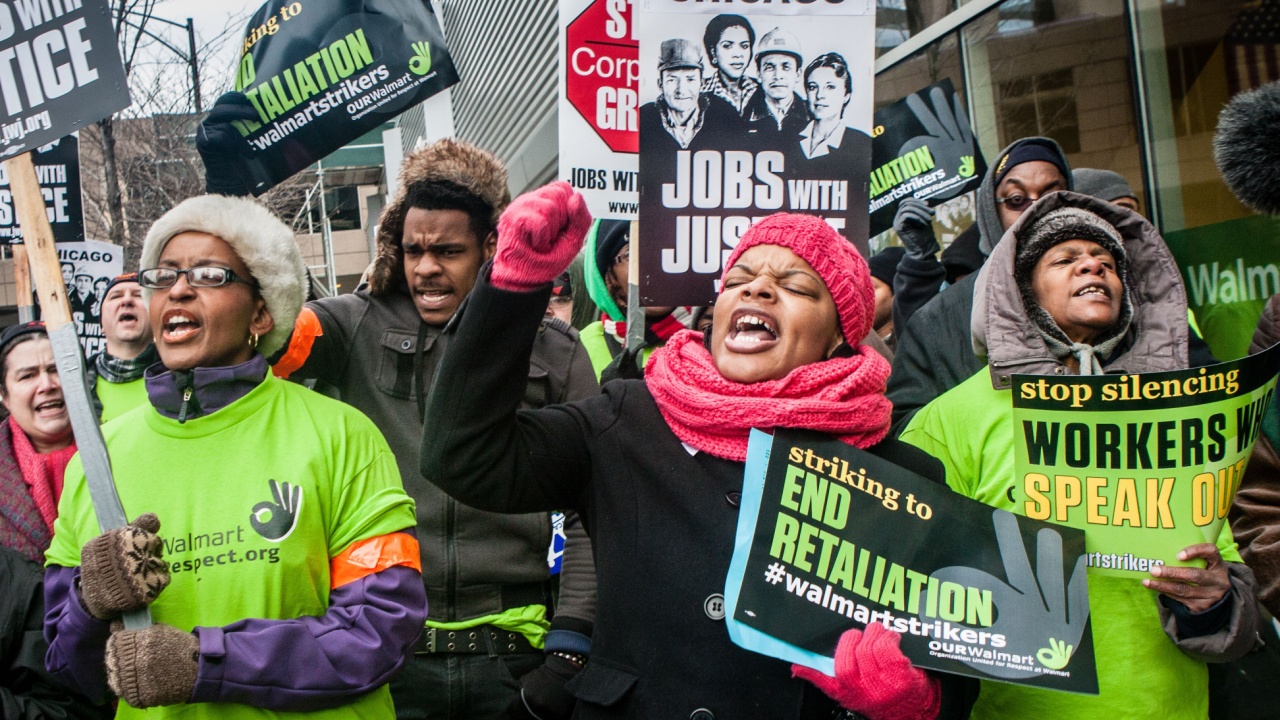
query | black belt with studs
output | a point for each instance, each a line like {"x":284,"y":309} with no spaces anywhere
{"x":480,"y":640}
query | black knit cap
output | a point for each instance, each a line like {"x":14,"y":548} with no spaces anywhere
{"x":129,"y":277}
{"x":1056,"y":227}
{"x":1030,"y":151}
{"x":13,"y":332}
{"x":884,"y":264}
{"x":612,"y":236}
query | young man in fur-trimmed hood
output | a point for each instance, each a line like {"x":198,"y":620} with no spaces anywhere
{"x":488,"y":584}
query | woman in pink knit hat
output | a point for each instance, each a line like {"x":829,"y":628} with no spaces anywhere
{"x":655,"y":467}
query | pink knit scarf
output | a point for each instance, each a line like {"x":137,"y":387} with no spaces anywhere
{"x":842,"y":396}
{"x":42,"y":472}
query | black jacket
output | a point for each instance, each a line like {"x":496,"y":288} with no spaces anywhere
{"x":662,"y":522}
{"x":376,"y":352}
{"x":27,"y":690}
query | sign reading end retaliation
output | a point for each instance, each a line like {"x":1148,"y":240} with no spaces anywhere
{"x":320,"y":74}
{"x":831,"y":537}
{"x":57,"y":60}
{"x":1146,"y":464}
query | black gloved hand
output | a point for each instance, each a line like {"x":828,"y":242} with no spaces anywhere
{"x":542,"y":694}
{"x":629,"y":365}
{"x":914,"y":224}
{"x":222,"y":148}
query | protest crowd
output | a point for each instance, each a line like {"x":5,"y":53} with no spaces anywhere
{"x":342,"y":506}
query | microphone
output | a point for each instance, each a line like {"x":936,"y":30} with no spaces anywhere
{"x":1246,"y":147}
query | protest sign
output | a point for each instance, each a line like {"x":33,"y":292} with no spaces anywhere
{"x":58,"y":169}
{"x":1145,"y":464}
{"x":599,"y":99}
{"x":67,"y":71}
{"x":87,"y":267}
{"x":831,"y":537}
{"x":1230,"y":270}
{"x":923,"y":147}
{"x":319,"y":75}
{"x":742,"y":116}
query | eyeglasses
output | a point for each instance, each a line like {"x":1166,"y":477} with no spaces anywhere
{"x":623,"y":257}
{"x":203,"y":276}
{"x":1016,"y":203}
{"x":562,"y":300}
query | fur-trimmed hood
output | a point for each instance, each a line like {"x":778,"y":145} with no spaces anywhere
{"x":463,"y":164}
{"x":1157,"y":338}
{"x":265,"y":244}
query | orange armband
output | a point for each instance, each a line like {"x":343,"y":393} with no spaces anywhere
{"x":305,"y":331}
{"x":366,"y":557}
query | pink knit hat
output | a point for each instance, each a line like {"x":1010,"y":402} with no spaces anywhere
{"x":838,"y":264}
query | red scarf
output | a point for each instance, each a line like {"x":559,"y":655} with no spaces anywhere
{"x":657,"y":332}
{"x":842,"y":396}
{"x":42,"y":472}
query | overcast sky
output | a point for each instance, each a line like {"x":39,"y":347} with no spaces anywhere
{"x":209,"y":18}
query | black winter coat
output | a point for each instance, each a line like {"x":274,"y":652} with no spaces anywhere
{"x":662,"y":522}
{"x":27,"y":690}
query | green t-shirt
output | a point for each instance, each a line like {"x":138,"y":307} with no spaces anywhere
{"x":119,"y":398}
{"x":1141,"y":673}
{"x":210,"y":483}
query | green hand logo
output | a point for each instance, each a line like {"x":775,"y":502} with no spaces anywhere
{"x":966,"y":166}
{"x":1057,"y":655}
{"x":420,"y":63}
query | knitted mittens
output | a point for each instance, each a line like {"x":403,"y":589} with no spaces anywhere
{"x":122,"y":569}
{"x":873,"y":678}
{"x":151,"y":667}
{"x":538,"y":235}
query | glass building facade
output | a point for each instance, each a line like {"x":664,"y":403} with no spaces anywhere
{"x":1133,"y":86}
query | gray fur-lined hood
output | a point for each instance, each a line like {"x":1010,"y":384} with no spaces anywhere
{"x":1011,"y":343}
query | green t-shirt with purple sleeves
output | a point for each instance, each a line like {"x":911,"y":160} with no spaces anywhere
{"x":254,"y":500}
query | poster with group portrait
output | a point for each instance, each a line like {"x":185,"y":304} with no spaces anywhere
{"x":764,"y":109}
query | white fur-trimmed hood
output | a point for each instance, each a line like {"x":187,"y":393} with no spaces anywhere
{"x":263,"y":242}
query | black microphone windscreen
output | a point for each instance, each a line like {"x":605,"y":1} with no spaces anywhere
{"x":1246,"y":147}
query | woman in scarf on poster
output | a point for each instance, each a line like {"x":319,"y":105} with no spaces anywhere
{"x":1079,"y":286}
{"x":655,"y":467}
{"x":827,"y":144}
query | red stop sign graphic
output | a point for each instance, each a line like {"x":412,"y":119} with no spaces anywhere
{"x":602,"y":72}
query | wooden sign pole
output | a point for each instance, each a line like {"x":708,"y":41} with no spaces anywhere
{"x":22,"y":284}
{"x":37,"y":236}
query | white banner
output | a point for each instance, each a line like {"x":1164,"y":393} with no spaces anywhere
{"x":87,"y":267}
{"x":599,"y":99}
{"x":761,"y":109}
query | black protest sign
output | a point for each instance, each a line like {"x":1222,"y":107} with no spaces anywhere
{"x":320,"y":74}
{"x":923,"y":148}
{"x":58,"y":170}
{"x":832,"y":537}
{"x":59,"y":70}
{"x":744,"y":116}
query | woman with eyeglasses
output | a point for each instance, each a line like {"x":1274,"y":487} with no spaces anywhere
{"x":935,"y":348}
{"x":286,"y":578}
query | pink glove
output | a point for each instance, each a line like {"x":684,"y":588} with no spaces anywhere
{"x":873,"y":678}
{"x":538,"y":235}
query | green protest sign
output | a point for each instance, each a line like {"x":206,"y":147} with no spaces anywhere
{"x":1229,"y":270}
{"x":1147,"y":464}
{"x":831,"y":537}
